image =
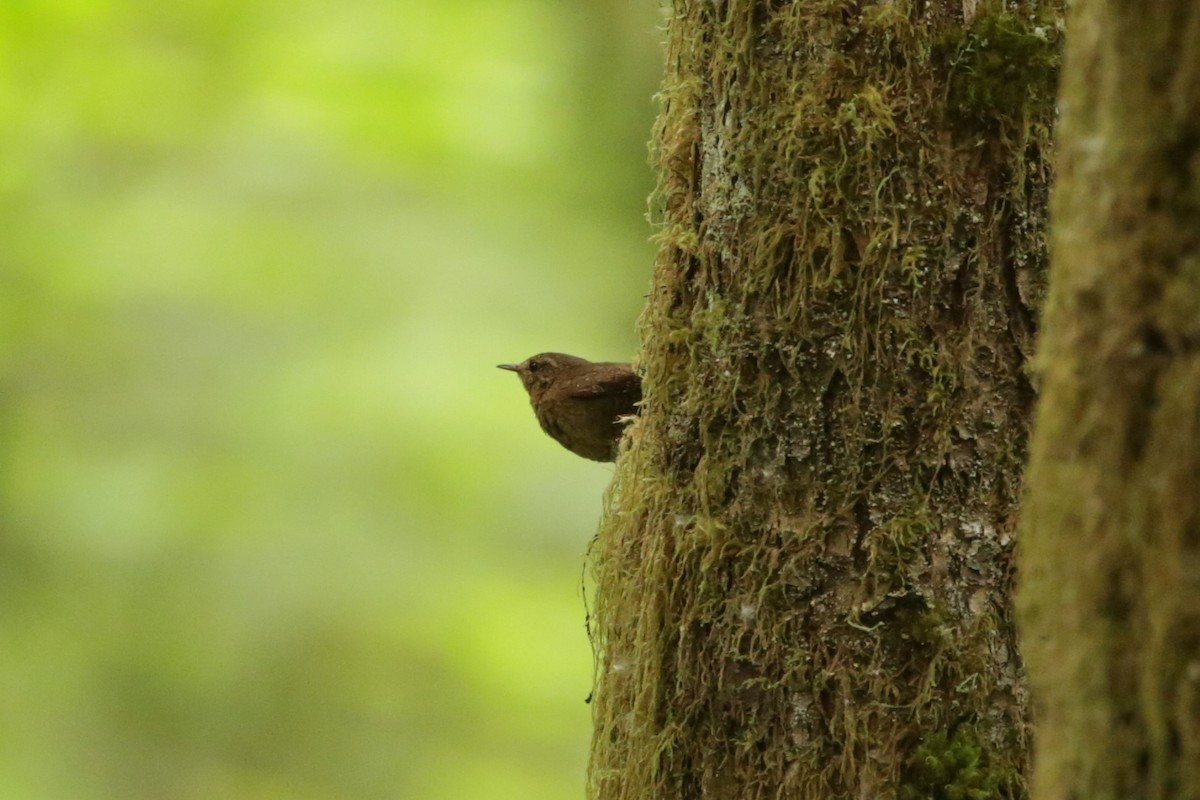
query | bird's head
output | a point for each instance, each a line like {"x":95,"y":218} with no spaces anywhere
{"x":540,"y":371}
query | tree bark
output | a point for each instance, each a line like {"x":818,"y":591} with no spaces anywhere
{"x":1110,"y":601}
{"x":804,"y":574}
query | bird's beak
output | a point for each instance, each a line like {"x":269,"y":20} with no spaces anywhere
{"x":509,"y":367}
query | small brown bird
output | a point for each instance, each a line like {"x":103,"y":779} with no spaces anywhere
{"x":580,"y":403}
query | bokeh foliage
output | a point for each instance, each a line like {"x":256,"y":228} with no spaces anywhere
{"x":271,"y":523}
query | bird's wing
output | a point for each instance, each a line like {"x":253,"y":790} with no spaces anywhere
{"x":624,"y":383}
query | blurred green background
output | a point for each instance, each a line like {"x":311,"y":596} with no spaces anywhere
{"x":272,"y":525}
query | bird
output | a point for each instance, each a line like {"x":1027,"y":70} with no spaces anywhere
{"x":581,"y":404}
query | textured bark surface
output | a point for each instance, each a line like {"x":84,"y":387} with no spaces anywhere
{"x":804,"y":575}
{"x":1110,"y":601}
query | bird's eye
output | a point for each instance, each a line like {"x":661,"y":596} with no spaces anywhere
{"x":535,"y":365}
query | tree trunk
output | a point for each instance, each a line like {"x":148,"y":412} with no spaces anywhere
{"x":804,"y":574}
{"x":1110,"y":600}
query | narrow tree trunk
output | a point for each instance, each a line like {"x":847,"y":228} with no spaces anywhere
{"x":1111,"y":534}
{"x":804,"y":573}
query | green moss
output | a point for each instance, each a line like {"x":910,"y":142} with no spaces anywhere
{"x":1001,"y":70}
{"x":951,"y":767}
{"x":928,"y":627}
{"x":897,"y":543}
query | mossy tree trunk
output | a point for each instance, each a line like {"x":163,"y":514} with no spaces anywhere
{"x":804,"y":576}
{"x":1110,"y":600}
